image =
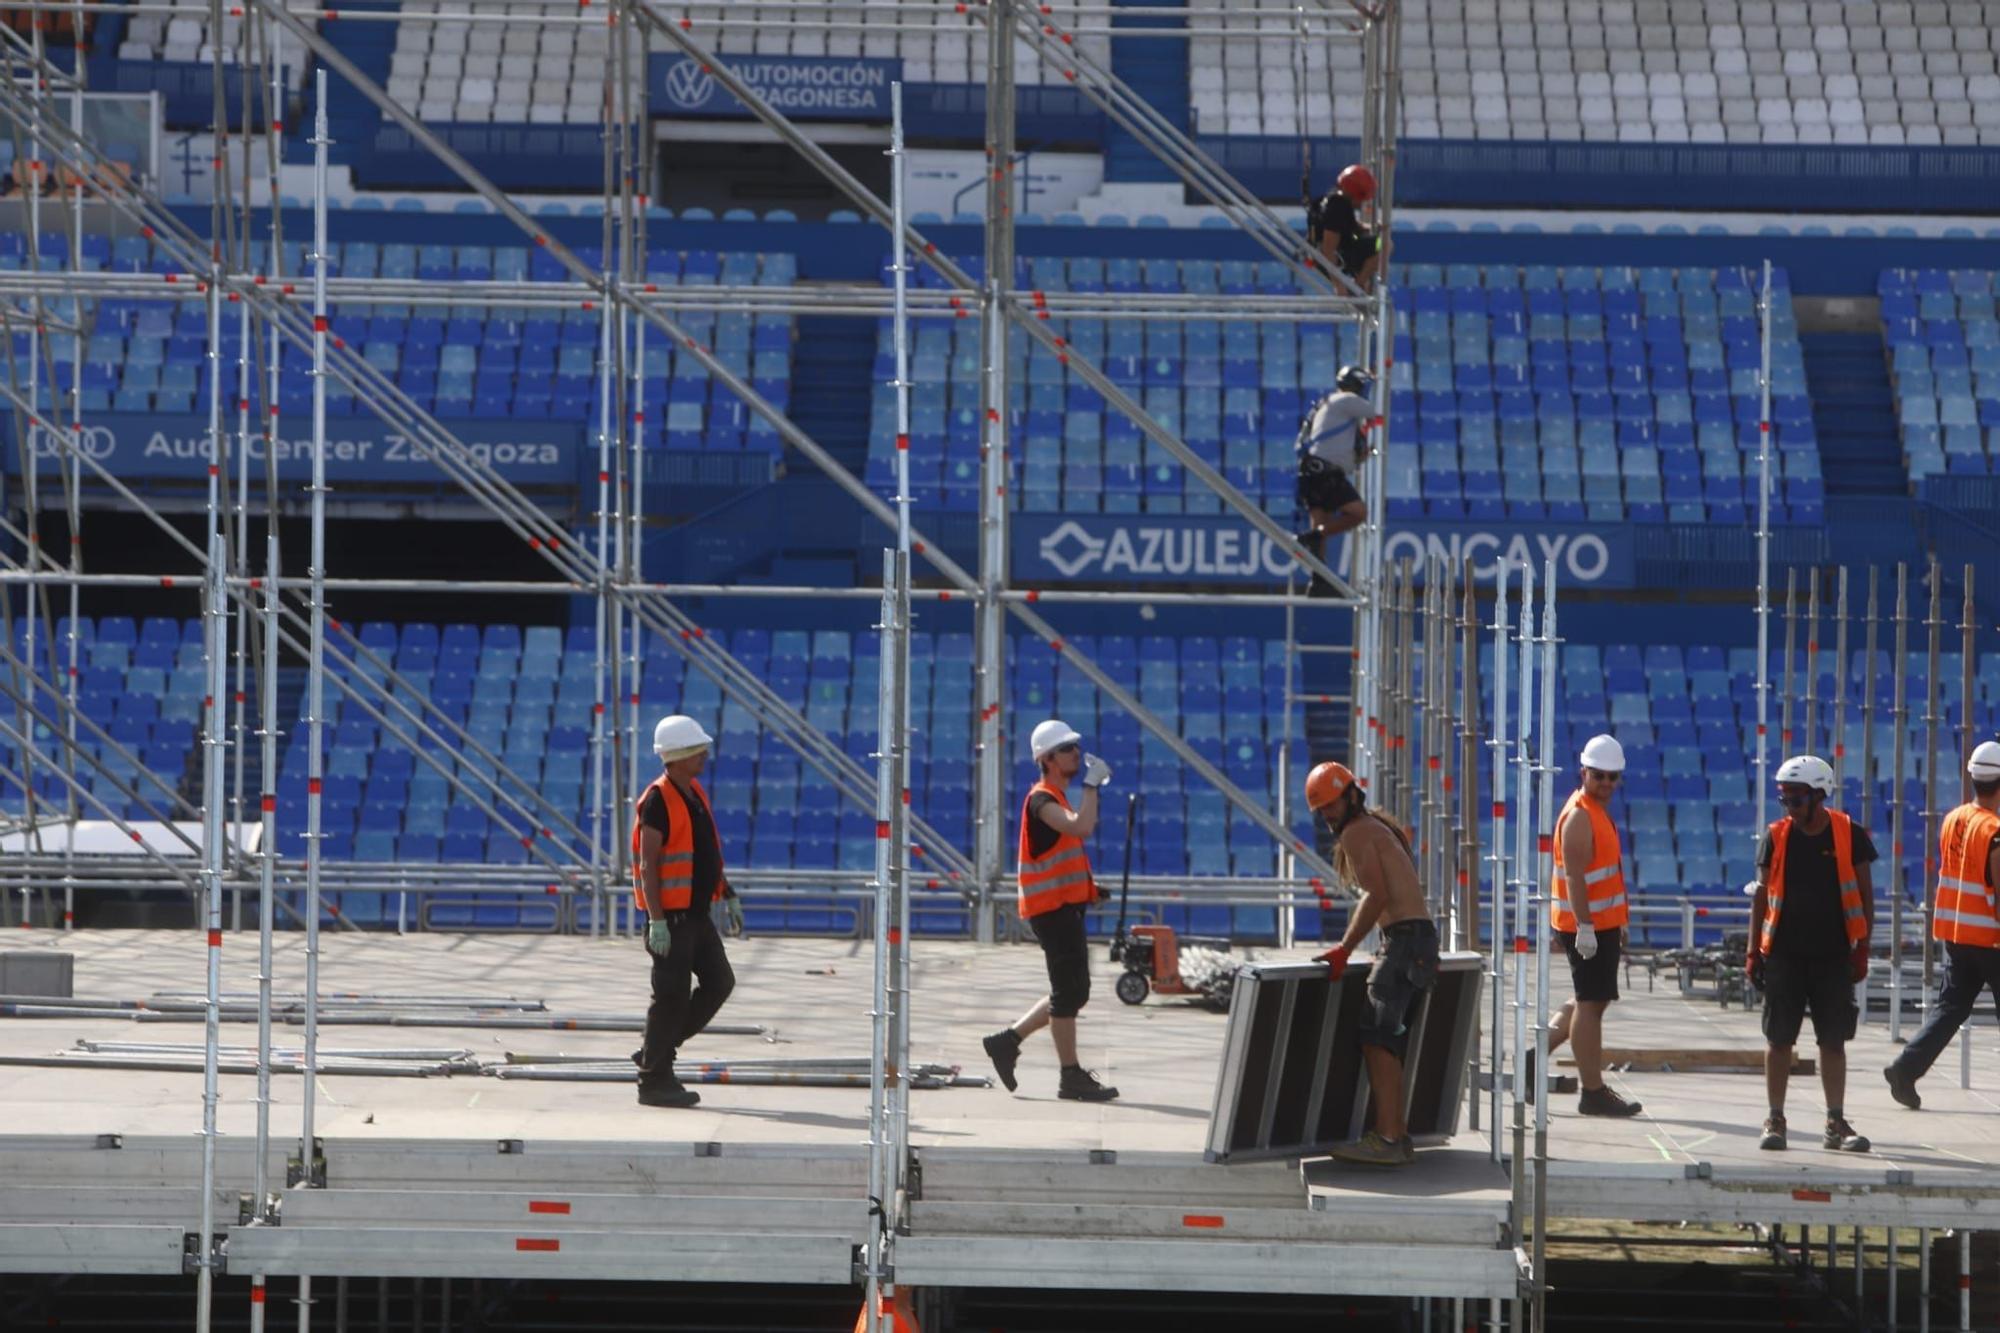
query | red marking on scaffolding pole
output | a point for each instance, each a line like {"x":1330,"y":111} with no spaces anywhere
{"x":548,"y":1206}
{"x":1207,"y":1221}
{"x":1812,"y":1196}
{"x":215,"y":939}
{"x":536,"y":1243}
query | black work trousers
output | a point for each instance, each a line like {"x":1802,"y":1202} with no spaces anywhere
{"x":679,"y":1010}
{"x":1968,"y":970}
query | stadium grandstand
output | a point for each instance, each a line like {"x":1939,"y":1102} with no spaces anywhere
{"x":415,"y":403}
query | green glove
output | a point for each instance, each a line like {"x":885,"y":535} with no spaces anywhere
{"x":659,"y":937}
{"x":732,"y":908}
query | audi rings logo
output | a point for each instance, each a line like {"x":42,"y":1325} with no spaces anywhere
{"x":689,"y":86}
{"x":96,"y":442}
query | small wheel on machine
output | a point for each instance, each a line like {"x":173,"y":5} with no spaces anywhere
{"x":1132,"y":987}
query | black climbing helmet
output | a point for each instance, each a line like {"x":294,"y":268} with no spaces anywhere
{"x":1354,"y":380}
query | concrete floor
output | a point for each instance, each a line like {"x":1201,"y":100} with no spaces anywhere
{"x":813,"y":995}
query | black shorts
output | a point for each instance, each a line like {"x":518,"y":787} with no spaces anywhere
{"x":1594,"y":978}
{"x":1066,"y":949}
{"x":1403,"y":972}
{"x":1822,"y":987}
{"x":1324,"y":486}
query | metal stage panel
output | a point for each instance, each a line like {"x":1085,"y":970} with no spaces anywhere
{"x":38,"y":1247}
{"x":1292,"y":1082}
{"x":1294,"y":1268}
{"x":530,"y":1250}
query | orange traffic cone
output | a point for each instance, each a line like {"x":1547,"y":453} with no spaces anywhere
{"x":896,"y":1316}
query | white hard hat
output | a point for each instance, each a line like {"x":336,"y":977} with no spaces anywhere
{"x":1604,"y":754}
{"x":678,"y":736}
{"x":1808,"y":770}
{"x":1984,"y":766}
{"x":1051,"y":735}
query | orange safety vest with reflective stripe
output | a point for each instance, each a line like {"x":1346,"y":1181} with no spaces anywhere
{"x":676,"y":852}
{"x":1059,"y":876}
{"x":1603,"y":878}
{"x":1843,"y":864}
{"x":1964,"y":913}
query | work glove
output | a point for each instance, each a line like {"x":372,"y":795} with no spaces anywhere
{"x":1753,"y":968}
{"x":1096,"y":773}
{"x":659,"y":937}
{"x":1336,"y":962}
{"x":732,"y":912}
{"x":1586,"y":941}
{"x":1857,"y":963}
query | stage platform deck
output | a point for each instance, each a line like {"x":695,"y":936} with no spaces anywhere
{"x":478,"y":1176}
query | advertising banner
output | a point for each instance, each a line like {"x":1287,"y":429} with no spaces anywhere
{"x":803,"y":87}
{"x":358,"y":449}
{"x":1168,"y":549}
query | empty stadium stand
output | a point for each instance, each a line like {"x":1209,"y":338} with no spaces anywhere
{"x":1944,"y":347}
{"x":1686,"y":717}
{"x":1565,"y":394}
{"x":1666,"y":71}
{"x":461,"y":362}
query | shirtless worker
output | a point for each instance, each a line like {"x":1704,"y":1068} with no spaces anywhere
{"x":1374,"y":857}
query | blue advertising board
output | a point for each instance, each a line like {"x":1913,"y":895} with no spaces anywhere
{"x":137,"y":446}
{"x":801,"y":87}
{"x":1168,"y":549}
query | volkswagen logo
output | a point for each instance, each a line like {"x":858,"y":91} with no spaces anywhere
{"x":689,"y":86}
{"x":97,"y":442}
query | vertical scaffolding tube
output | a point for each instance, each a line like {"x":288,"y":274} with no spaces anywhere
{"x":1897,"y":886}
{"x":1787,"y":693}
{"x":1810,"y":742}
{"x":880,"y":1166}
{"x":1525,"y":895}
{"x":1868,"y":696}
{"x":1498,"y":859}
{"x":1762,"y":798}
{"x":1967,"y":738}
{"x":990,"y":638}
{"x":1468,"y":771}
{"x":316,"y":665}
{"x":1545,"y":874}
{"x":1934,"y":633}
{"x":1840,"y":668}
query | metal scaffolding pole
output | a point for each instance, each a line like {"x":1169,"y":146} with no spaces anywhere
{"x":1968,"y":738}
{"x":1840,"y":670}
{"x":1868,"y":697}
{"x":1498,"y":860}
{"x":1762,"y":798}
{"x":1810,"y":741}
{"x":1898,"y":885}
{"x":1933,"y":633}
{"x":1545,"y":876}
{"x":996,"y":419}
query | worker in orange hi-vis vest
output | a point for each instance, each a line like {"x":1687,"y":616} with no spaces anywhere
{"x":1811,"y":908}
{"x":1587,"y":898}
{"x":1965,"y":918}
{"x":1056,"y":888}
{"x":676,"y":873}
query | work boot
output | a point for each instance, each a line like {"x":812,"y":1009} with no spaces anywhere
{"x":667,"y":1092}
{"x":1840,"y":1136}
{"x":1371,"y":1149}
{"x":1080,"y":1085}
{"x":1603,"y":1101}
{"x":1902,"y":1087}
{"x":1003,"y":1048}
{"x":1774,"y":1133}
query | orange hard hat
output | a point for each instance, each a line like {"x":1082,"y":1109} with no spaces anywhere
{"x":1325,"y":784}
{"x":1357,"y":183}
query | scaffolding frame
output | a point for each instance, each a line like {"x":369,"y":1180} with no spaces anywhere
{"x":1395,"y":704}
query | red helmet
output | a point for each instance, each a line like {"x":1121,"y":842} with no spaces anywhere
{"x":1357,"y":183}
{"x":1325,"y":784}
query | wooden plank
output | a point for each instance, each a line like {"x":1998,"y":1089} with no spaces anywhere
{"x":1690,"y":1060}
